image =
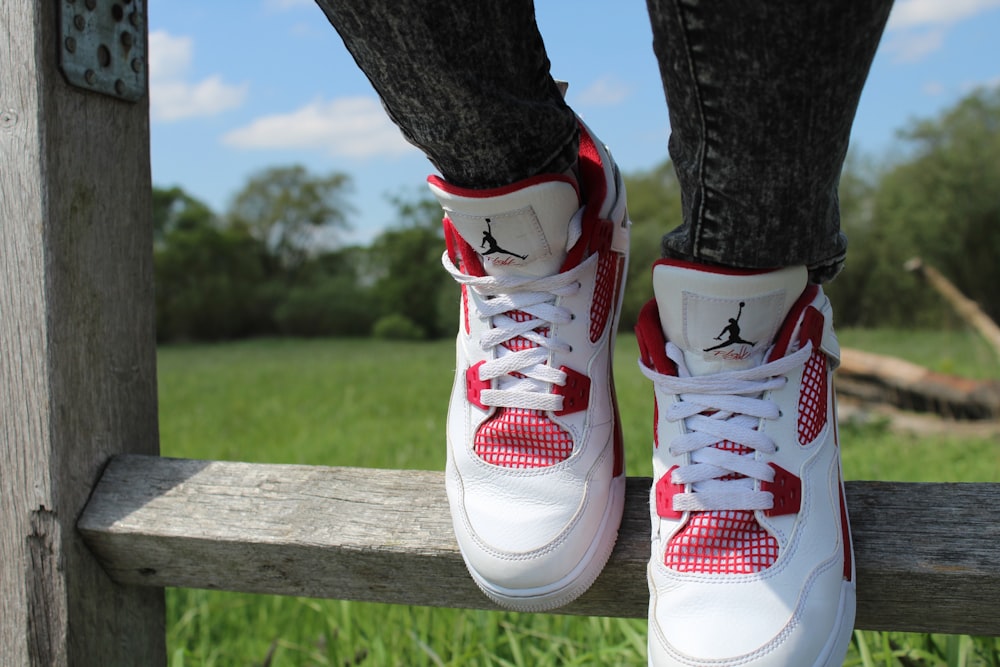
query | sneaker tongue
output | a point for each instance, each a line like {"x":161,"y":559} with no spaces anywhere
{"x":723,"y":321}
{"x":521,"y":230}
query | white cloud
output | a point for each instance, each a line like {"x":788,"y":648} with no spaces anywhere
{"x":169,"y":56}
{"x":933,"y":88}
{"x":175,"y":100}
{"x":171,"y":95}
{"x":917,"y":13}
{"x":605,"y":91}
{"x":919,"y":27}
{"x":348,"y":126}
{"x":911,"y":47}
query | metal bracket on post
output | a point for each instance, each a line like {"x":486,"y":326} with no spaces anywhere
{"x":102,"y":46}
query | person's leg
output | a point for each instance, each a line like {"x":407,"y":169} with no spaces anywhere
{"x":751,"y":560}
{"x":762,"y":96}
{"x":467,"y":82}
{"x":537,"y":236}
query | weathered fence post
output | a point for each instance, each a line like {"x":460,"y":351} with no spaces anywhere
{"x":77,"y":348}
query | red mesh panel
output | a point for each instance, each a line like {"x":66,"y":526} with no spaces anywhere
{"x":519,"y":343}
{"x":518,"y":438}
{"x":812,"y":398}
{"x":729,"y":446}
{"x":722,"y":542}
{"x":605,"y":292}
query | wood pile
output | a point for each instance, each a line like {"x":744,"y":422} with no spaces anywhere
{"x":876,"y":378}
{"x":879,"y":379}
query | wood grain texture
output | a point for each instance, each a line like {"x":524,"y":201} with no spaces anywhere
{"x":928,"y":555}
{"x":77,"y":348}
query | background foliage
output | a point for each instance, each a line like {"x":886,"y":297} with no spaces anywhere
{"x":274,"y":262}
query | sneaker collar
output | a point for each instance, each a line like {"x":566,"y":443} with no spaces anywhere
{"x":723,"y":319}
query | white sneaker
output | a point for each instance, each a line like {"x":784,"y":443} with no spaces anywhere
{"x":751,"y":553}
{"x":535,"y":473}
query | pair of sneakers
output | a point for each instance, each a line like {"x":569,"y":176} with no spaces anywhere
{"x":750,"y":553}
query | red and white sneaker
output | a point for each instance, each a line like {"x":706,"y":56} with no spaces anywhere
{"x":535,"y":474}
{"x":751,"y":551}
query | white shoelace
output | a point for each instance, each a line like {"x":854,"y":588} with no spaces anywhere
{"x":535,"y":297}
{"x":717,"y":407}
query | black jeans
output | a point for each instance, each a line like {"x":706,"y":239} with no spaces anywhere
{"x":761,"y":97}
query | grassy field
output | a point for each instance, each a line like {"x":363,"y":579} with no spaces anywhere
{"x":382,"y":404}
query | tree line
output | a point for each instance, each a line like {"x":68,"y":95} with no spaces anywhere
{"x":274,"y":262}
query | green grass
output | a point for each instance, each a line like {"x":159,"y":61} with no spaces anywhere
{"x":341,"y":402}
{"x":382,"y":404}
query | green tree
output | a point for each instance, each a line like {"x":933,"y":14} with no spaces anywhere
{"x":937,"y":201}
{"x":654,"y":203}
{"x":208,"y":279}
{"x":406,"y":273}
{"x":854,"y":296}
{"x":209,"y":285}
{"x":293,"y":212}
{"x":329,"y":298}
{"x":174,"y":209}
{"x":946,"y":195}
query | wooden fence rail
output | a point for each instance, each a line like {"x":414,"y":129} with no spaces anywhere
{"x":928,"y":555}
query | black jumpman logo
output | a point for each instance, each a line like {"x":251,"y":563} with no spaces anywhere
{"x":494,"y":246}
{"x":733,"y":330}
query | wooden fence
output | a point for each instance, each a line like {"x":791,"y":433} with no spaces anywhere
{"x":93,"y":524}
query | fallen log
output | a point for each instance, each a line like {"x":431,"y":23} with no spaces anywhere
{"x":966,"y":308}
{"x":882,"y":379}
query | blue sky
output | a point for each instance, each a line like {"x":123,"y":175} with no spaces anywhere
{"x":240,"y":85}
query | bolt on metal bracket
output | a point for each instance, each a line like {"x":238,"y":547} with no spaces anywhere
{"x":102,"y":46}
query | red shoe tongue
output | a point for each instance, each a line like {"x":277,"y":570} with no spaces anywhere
{"x":522,"y":230}
{"x":723,"y":319}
